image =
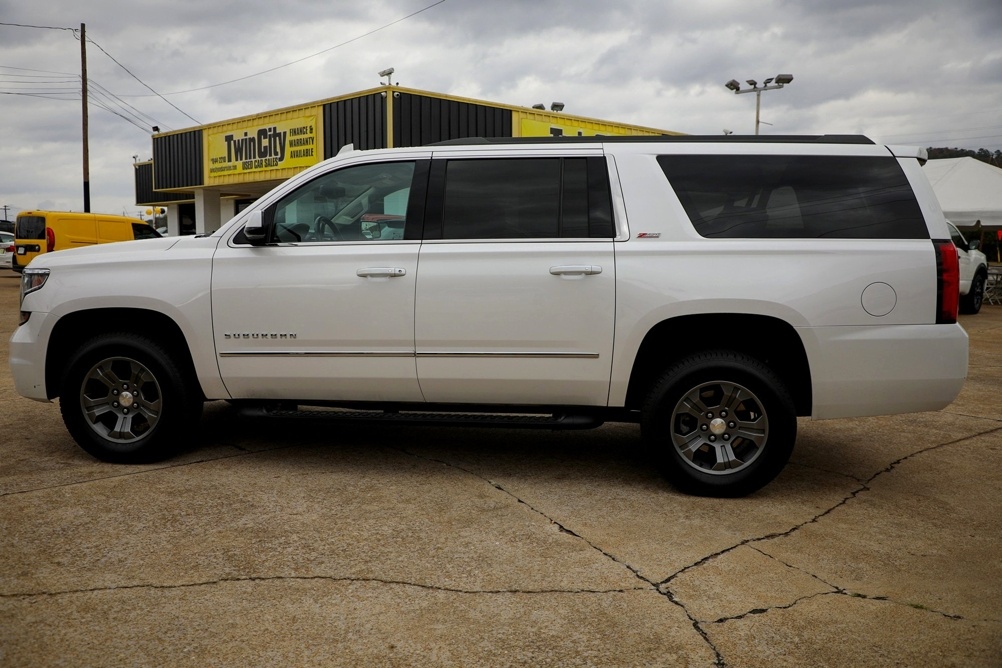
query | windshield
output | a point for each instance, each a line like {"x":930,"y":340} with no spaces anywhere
{"x":141,"y":231}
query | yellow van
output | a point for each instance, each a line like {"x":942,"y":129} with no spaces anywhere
{"x":46,"y":231}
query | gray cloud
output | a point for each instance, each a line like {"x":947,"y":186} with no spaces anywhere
{"x":901,"y":71}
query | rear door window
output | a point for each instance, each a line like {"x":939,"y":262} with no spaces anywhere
{"x":520,"y":198}
{"x":800,"y":197}
{"x":30,"y":227}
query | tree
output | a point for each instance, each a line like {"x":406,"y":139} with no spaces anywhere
{"x":982,"y":154}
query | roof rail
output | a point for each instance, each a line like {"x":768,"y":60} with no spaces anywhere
{"x":706,"y":139}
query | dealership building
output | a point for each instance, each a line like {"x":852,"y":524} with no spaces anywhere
{"x":203,"y":176}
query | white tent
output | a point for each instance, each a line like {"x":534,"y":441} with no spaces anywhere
{"x":968,"y":190}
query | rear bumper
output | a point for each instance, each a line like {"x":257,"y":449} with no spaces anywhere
{"x":860,"y":371}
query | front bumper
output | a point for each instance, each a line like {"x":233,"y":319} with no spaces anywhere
{"x":28,"y":346}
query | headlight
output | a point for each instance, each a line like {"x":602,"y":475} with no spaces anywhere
{"x":32,"y":279}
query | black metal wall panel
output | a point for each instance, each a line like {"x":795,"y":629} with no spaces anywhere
{"x":179,"y":160}
{"x":422,"y":119}
{"x":360,"y":121}
{"x":144,"y":188}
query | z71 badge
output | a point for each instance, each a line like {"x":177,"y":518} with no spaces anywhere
{"x":648,"y":235}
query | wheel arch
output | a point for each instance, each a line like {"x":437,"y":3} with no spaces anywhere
{"x":771,"y":340}
{"x":76,"y":328}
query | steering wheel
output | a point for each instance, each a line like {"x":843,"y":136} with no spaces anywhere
{"x":327,"y":229}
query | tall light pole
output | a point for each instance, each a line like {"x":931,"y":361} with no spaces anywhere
{"x":772,"y":83}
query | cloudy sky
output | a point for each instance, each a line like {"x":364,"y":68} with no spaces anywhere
{"x":925,"y":72}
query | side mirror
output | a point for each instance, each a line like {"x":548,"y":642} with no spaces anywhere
{"x":255,"y":229}
{"x":974,"y":245}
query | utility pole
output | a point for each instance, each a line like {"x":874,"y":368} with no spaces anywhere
{"x":83,"y":95}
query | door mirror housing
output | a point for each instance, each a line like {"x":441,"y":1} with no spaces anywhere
{"x":256,"y":228}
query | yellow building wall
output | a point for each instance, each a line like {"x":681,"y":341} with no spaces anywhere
{"x":553,"y":124}
{"x":265,"y":147}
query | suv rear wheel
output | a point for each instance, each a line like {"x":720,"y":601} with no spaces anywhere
{"x":719,"y":423}
{"x":124,"y":400}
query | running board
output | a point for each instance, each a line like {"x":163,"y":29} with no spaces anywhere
{"x":503,"y":420}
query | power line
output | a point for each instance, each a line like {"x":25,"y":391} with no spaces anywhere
{"x":25,"y":69}
{"x":294,"y":62}
{"x":75,"y":33}
{"x":101,"y":104}
{"x":35,"y":85}
{"x":46,"y":96}
{"x":121,"y":102}
{"x":141,"y":81}
{"x":22,"y":25}
{"x":136,"y":113}
{"x":135,"y":117}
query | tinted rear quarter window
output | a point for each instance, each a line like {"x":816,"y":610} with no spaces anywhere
{"x":800,"y":197}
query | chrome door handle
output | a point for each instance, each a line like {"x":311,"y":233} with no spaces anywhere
{"x":576,"y":270}
{"x":381,"y":272}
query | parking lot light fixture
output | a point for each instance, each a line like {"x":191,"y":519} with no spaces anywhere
{"x":772,"y":83}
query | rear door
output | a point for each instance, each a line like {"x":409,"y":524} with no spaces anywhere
{"x":516,"y":287}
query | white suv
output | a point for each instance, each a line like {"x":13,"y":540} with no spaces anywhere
{"x":973,"y":271}
{"x":711,"y":289}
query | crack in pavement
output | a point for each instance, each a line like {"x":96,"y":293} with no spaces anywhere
{"x":663,"y":587}
{"x":652,"y":586}
{"x":836,"y":590}
{"x":149,"y":468}
{"x":864,"y":486}
{"x":973,"y":417}
{"x":839,"y":592}
{"x":320,"y":578}
{"x":762,"y":611}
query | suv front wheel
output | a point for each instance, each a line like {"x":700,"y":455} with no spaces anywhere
{"x":719,"y":423}
{"x":124,"y":400}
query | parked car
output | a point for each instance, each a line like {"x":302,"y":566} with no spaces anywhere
{"x":6,"y":249}
{"x":711,"y":289}
{"x":973,"y":271}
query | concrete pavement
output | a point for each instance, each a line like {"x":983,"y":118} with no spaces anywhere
{"x":309,"y":544}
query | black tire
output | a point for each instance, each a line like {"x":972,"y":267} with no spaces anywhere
{"x":124,"y":400}
{"x":971,"y":302}
{"x":719,"y":423}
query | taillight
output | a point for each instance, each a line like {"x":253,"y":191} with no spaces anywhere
{"x":947,"y":282}
{"x":50,"y":240}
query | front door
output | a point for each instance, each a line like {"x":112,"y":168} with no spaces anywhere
{"x":326,"y":310}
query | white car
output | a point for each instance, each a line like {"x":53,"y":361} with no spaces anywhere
{"x":973,"y":271}
{"x":711,"y":289}
{"x":7,"y":249}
